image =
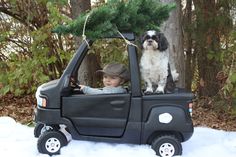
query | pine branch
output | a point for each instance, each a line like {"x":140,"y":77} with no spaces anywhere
{"x":134,"y":16}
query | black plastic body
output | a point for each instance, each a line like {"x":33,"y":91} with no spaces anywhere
{"x":120,"y":118}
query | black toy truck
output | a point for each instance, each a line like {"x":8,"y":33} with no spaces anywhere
{"x":161,"y":120}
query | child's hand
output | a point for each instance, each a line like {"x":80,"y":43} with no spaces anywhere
{"x":81,"y":87}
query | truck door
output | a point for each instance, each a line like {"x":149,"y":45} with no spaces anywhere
{"x":97,"y":115}
{"x":100,"y":114}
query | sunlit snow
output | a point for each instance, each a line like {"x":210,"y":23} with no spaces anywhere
{"x":17,"y":140}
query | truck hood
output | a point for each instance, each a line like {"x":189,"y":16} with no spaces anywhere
{"x":45,"y":86}
{"x":49,"y":84}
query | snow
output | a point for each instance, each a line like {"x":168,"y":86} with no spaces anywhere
{"x":17,"y":140}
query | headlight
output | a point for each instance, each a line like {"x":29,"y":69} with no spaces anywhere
{"x":41,"y":102}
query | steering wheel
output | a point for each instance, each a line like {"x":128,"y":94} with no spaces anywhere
{"x":75,"y":83}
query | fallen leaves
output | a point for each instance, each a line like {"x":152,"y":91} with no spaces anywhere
{"x":207,"y":115}
{"x":19,"y":108}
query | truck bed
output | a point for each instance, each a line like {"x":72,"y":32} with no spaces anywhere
{"x":180,"y":98}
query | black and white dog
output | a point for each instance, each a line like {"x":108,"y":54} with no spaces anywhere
{"x":154,"y":63}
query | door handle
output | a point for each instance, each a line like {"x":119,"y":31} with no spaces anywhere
{"x":117,"y":104}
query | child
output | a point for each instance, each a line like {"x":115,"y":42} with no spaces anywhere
{"x":114,"y":75}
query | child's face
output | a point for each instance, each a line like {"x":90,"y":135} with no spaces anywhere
{"x":112,"y":81}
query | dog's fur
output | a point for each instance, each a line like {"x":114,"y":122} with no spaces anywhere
{"x":154,"y":63}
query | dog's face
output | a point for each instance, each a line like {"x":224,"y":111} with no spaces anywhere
{"x":153,"y":40}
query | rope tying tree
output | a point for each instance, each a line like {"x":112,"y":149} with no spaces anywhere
{"x":127,"y":41}
{"x":83,"y":35}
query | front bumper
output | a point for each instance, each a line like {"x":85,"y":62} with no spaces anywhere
{"x":47,"y":116}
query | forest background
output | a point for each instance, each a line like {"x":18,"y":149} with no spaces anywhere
{"x":202,"y":36}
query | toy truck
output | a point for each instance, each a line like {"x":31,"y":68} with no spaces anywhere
{"x":160,"y":120}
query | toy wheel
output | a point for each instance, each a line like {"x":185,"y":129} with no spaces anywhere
{"x":41,"y":128}
{"x":167,"y":146}
{"x":50,"y":142}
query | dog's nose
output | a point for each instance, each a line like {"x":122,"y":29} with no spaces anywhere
{"x":149,"y":41}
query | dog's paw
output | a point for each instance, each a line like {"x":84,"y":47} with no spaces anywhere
{"x":148,"y":91}
{"x":160,"y":90}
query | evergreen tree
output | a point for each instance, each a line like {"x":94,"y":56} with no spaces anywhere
{"x":131,"y":16}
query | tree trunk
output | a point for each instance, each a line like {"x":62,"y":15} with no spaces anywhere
{"x":86,"y":70}
{"x":190,"y":60}
{"x":173,"y":31}
{"x":207,"y":42}
{"x":78,"y":7}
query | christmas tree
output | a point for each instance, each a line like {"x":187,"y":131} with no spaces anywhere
{"x":106,"y":20}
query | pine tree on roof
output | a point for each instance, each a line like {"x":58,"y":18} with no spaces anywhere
{"x":106,"y":20}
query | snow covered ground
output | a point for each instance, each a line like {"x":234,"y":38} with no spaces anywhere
{"x":17,"y":140}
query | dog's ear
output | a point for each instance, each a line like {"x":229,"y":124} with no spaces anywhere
{"x":142,"y":38}
{"x":163,"y":43}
